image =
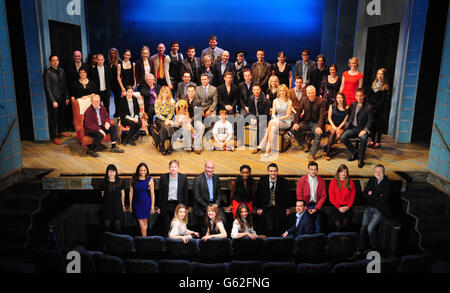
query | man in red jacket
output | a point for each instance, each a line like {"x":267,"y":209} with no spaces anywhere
{"x":313,"y":190}
{"x":97,"y":124}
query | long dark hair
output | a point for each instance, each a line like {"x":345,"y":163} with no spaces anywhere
{"x":216,"y":219}
{"x":338,"y":179}
{"x":108,"y":184}
{"x":241,"y":221}
{"x":344,"y":103}
{"x":136,"y":174}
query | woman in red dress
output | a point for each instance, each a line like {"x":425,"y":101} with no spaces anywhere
{"x":351,"y":80}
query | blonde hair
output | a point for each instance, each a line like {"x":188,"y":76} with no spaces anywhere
{"x":274,"y":77}
{"x":169,"y":95}
{"x":385,"y":85}
{"x":177,"y":209}
{"x":281,"y":87}
{"x":353,"y":59}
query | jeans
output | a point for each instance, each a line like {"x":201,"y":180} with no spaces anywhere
{"x":353,"y":132}
{"x":311,"y":126}
{"x":371,"y":219}
{"x":317,"y":218}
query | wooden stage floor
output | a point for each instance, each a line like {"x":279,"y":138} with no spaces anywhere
{"x":67,"y":159}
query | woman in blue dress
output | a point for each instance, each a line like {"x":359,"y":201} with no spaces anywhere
{"x":142,"y":196}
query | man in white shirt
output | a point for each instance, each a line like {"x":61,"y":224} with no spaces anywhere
{"x":101,"y":75}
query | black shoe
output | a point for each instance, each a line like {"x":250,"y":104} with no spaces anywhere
{"x":131,"y":142}
{"x":169,"y":152}
{"x":360,"y":163}
{"x":92,"y":153}
{"x":125,"y":140}
{"x":352,"y":157}
{"x":116,"y":149}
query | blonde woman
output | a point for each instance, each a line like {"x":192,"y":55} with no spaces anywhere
{"x":378,"y":97}
{"x":281,"y":119}
{"x":351,"y":80}
{"x":165,"y":110}
{"x":178,"y":226}
{"x":271,"y":92}
{"x":143,"y":65}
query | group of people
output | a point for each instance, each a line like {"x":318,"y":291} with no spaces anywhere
{"x":259,"y":207}
{"x":165,"y":86}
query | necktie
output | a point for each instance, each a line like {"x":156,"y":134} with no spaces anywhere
{"x":212,"y":54}
{"x":272,"y":186}
{"x":204,"y":90}
{"x":297,"y":221}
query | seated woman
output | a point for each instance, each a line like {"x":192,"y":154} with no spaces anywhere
{"x":342,"y":195}
{"x":165,"y":110}
{"x":243,"y":224}
{"x":83,"y":87}
{"x":208,"y":68}
{"x":223,"y":133}
{"x":281,"y":119}
{"x":178,"y":226}
{"x":129,"y":115}
{"x":216,"y":229}
{"x":337,"y":117}
{"x":243,"y":190}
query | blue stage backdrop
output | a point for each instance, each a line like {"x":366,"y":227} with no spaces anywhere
{"x":285,"y":25}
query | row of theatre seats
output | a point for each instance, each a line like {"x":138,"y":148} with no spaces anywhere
{"x":314,"y":253}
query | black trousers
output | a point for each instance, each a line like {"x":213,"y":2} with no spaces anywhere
{"x":272,"y":222}
{"x":105,"y":96}
{"x":167,"y":214}
{"x":161,"y":81}
{"x":149,"y":109}
{"x":117,"y":95}
{"x":56,"y":118}
{"x":134,"y":127}
{"x":98,"y":137}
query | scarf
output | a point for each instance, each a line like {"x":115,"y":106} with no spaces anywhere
{"x":377,"y":86}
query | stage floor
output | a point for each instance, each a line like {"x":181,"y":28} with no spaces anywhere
{"x":67,"y":159}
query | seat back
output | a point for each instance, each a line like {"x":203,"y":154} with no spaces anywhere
{"x":150,"y":247}
{"x":141,"y":266}
{"x":279,"y":268}
{"x":307,"y":268}
{"x":310,"y":248}
{"x":247,"y":249}
{"x":420,"y":263}
{"x":215,"y":250}
{"x":174,"y":266}
{"x":177,"y":249}
{"x":278,"y":248}
{"x":118,"y":245}
{"x":108,"y":264}
{"x":358,"y":267}
{"x":341,"y":246}
{"x":249,"y":267}
{"x":205,"y":268}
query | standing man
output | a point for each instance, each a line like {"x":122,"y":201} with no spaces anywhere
{"x":259,"y":106}
{"x":376,"y":194}
{"x":175,"y":67}
{"x":223,"y":66}
{"x":261,"y":70}
{"x":73,"y":67}
{"x":206,"y":191}
{"x":160,"y":64}
{"x":57,"y":98}
{"x":101,"y":75}
{"x":213,"y":50}
{"x":311,"y":113}
{"x":97,"y":125}
{"x":245,"y":89}
{"x":173,"y":190}
{"x":312,"y":189}
{"x":192,"y":64}
{"x":360,"y":121}
{"x":272,"y":201}
{"x":183,"y":85}
{"x":207,"y":94}
{"x":304,"y":67}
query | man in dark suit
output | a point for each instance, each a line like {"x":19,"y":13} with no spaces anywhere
{"x":261,"y":70}
{"x":73,"y":66}
{"x":101,"y":75}
{"x":192,"y":64}
{"x":272,"y":201}
{"x":259,"y":107}
{"x":206,"y":191}
{"x":228,"y":99}
{"x":310,"y":116}
{"x":173,"y":190}
{"x":304,"y":67}
{"x":301,"y":223}
{"x":360,"y":121}
{"x":97,"y":125}
{"x":245,"y":89}
{"x":183,"y":85}
{"x":221,"y":67}
{"x":376,"y":194}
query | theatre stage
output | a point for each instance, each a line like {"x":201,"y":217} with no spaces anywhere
{"x":66,"y":159}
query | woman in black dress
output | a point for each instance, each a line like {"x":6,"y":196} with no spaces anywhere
{"x":113,"y":195}
{"x":283,"y":70}
{"x":83,"y":87}
{"x":378,"y":97}
{"x":113,"y":62}
{"x":337,"y":117}
{"x":243,"y":190}
{"x":330,"y":85}
{"x":216,"y":229}
{"x":126,"y":72}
